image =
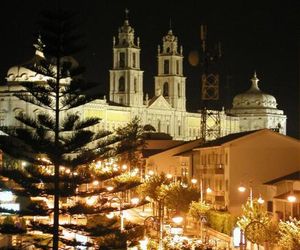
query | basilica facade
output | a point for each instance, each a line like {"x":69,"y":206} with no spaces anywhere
{"x":165,"y":111}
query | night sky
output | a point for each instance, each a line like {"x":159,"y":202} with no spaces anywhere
{"x":255,"y":35}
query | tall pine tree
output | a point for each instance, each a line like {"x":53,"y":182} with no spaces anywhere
{"x":57,"y":136}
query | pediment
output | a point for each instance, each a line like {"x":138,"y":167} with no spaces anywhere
{"x":159,"y":102}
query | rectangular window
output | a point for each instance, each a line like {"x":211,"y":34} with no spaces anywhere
{"x":122,"y":60}
{"x":177,"y":67}
{"x":179,"y":130}
{"x":133,"y":60}
{"x":166,"y":67}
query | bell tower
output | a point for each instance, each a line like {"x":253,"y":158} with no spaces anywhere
{"x":170,"y":81}
{"x":126,"y":77}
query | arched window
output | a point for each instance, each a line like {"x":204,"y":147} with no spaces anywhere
{"x":121,"y":84}
{"x":166,"y":89}
{"x":135,"y":85}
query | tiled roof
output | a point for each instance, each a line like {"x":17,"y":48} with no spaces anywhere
{"x":290,"y":177}
{"x":148,"y":152}
{"x":285,"y":196}
{"x":225,"y":139}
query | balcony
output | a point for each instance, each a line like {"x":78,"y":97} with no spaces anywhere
{"x":219,"y":169}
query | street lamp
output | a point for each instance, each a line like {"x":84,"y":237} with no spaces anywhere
{"x":194,"y":181}
{"x":134,"y":201}
{"x":292,"y":199}
{"x":242,"y":189}
{"x":169,"y":176}
{"x":109,"y":188}
{"x":177,"y":219}
{"x":260,"y":200}
{"x":120,"y":210}
{"x":161,"y":221}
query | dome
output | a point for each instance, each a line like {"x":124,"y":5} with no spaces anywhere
{"x":25,"y":72}
{"x":254,"y":98}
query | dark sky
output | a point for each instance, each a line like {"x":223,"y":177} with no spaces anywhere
{"x":255,"y":35}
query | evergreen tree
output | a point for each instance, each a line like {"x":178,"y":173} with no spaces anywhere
{"x":60,"y":149}
{"x":132,"y":142}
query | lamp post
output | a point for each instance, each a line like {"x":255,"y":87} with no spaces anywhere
{"x":253,"y":223}
{"x":292,"y":199}
{"x":161,"y":222}
{"x":120,"y":210}
{"x":242,"y":189}
{"x":134,"y":201}
{"x":201,"y":200}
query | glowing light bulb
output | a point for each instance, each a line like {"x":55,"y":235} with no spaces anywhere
{"x":260,"y":200}
{"x":242,"y":189}
{"x":194,"y":181}
{"x":95,"y":183}
{"x":169,"y":176}
{"x":151,"y":172}
{"x":177,"y":219}
{"x":291,"y":198}
{"x":135,"y":200}
{"x":91,"y":200}
{"x":110,"y":215}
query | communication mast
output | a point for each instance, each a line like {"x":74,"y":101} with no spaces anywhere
{"x":210,"y":126}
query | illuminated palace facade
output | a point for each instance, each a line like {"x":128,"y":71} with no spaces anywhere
{"x":166,"y":111}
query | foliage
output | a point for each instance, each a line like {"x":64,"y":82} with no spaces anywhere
{"x":119,"y":240}
{"x":198,"y":209}
{"x":9,"y":225}
{"x":257,"y":223}
{"x":152,"y":187}
{"x":57,"y":144}
{"x":253,"y":211}
{"x":223,"y":222}
{"x":178,"y":197}
{"x":289,"y":234}
{"x":131,"y":143}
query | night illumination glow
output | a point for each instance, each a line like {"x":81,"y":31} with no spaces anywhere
{"x":110,"y":215}
{"x":177,"y":219}
{"x":292,"y":198}
{"x":260,"y":200}
{"x":169,"y":176}
{"x":151,"y":172}
{"x":135,"y":200}
{"x":11,"y":206}
{"x":91,"y":200}
{"x":194,"y":181}
{"x":6,"y":196}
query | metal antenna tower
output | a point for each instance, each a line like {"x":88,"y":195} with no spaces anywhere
{"x":210,"y":125}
